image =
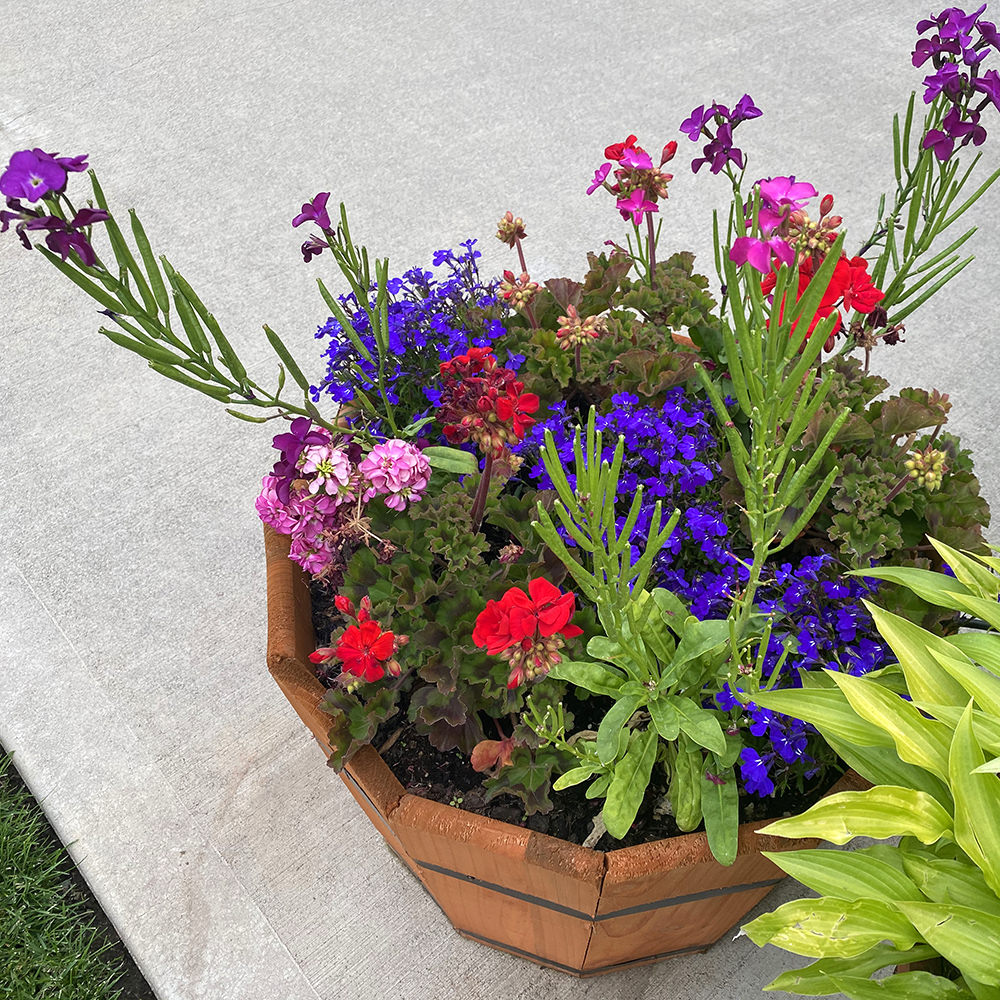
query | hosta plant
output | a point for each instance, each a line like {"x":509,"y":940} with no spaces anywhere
{"x":568,"y":529}
{"x":926,"y":732}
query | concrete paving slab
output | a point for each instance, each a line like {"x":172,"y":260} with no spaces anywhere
{"x":134,"y":692}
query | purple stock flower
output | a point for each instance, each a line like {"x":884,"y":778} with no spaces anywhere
{"x":745,"y":110}
{"x":291,"y":445}
{"x":989,"y":84}
{"x":947,"y":80}
{"x":32,"y":174}
{"x":600,"y":174}
{"x":695,"y":122}
{"x":66,"y":241}
{"x":314,"y":211}
{"x":313,"y":247}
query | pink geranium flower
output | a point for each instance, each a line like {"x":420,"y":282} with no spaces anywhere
{"x":636,"y":205}
{"x":396,"y":470}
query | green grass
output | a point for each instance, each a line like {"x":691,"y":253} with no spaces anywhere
{"x":50,"y":948}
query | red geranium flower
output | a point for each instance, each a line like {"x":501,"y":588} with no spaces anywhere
{"x":615,"y":150}
{"x":527,"y":631}
{"x":363,"y":649}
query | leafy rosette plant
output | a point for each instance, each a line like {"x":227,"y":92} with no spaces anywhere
{"x":926,"y":732}
{"x":558,"y":611}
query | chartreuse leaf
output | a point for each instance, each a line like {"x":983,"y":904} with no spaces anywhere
{"x":921,"y":741}
{"x":990,"y":767}
{"x":720,"y":805}
{"x":451,"y":460}
{"x":828,"y":710}
{"x":968,"y":570}
{"x":598,"y":678}
{"x":831,"y":927}
{"x":629,"y":784}
{"x":966,"y":937}
{"x":815,"y":979}
{"x":880,"y":812}
{"x":611,"y":726}
{"x":977,"y":806}
{"x":902,"y":986}
{"x":983,"y":607}
{"x":846,"y":874}
{"x":986,"y":727}
{"x":982,"y":685}
{"x":935,"y":588}
{"x":572,"y":777}
{"x":984,"y":649}
{"x":913,"y":646}
{"x":945,"y":880}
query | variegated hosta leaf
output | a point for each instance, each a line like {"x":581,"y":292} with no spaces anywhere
{"x":814,"y":980}
{"x":968,"y":569}
{"x":945,"y":880}
{"x":846,"y":874}
{"x":830,"y":927}
{"x":880,"y":812}
{"x":918,"y":740}
{"x":978,"y":682}
{"x":977,"y":803}
{"x":902,"y":986}
{"x":966,"y":937}
{"x":913,"y":646}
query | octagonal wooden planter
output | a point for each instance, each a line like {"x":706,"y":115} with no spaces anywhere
{"x":567,"y":907}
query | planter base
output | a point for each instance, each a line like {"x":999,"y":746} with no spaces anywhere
{"x":567,"y":907}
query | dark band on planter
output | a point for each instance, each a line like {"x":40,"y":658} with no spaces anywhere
{"x":692,"y":950}
{"x":628,"y":911}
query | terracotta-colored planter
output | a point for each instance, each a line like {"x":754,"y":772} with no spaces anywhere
{"x":581,"y":911}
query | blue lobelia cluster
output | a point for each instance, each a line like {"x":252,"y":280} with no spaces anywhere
{"x":673,"y":454}
{"x":431,"y":319}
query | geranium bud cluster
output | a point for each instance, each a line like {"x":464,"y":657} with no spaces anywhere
{"x":638,"y":184}
{"x":927,"y":468}
{"x":518,"y":292}
{"x":365,"y":650}
{"x":574,"y":331}
{"x":318,"y":486}
{"x":510,"y":230}
{"x":811,"y":239}
{"x":483,"y":402}
{"x":527,"y":630}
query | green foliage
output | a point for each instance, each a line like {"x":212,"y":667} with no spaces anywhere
{"x":874,"y":508}
{"x":936,"y":892}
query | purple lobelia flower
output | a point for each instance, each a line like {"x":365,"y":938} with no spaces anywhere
{"x":314,"y":211}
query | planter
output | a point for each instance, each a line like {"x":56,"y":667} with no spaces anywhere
{"x":567,"y":907}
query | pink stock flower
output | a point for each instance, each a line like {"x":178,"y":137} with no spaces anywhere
{"x":397,"y":470}
{"x":330,"y":470}
{"x":271,"y":510}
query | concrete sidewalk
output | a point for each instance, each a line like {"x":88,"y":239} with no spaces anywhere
{"x":133,"y":689}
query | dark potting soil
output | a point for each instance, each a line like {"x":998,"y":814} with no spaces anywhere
{"x":448,"y":777}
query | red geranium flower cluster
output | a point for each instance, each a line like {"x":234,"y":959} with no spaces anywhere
{"x":484,"y":402}
{"x":850,"y":287}
{"x":527,"y":630}
{"x":364,"y":649}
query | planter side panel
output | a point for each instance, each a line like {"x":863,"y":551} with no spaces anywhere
{"x":504,"y":885}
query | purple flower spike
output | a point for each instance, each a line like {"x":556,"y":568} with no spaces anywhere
{"x":314,"y":211}
{"x":32,"y":174}
{"x":600,"y":174}
{"x":989,"y":84}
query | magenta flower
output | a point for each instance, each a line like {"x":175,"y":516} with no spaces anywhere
{"x":314,"y":211}
{"x":270,"y":508}
{"x":32,"y":174}
{"x":780,"y":196}
{"x":599,"y":177}
{"x":757,"y":253}
{"x":636,"y":205}
{"x":396,"y":470}
{"x":636,"y":158}
{"x":695,"y":122}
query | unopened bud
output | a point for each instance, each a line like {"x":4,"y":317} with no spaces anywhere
{"x":826,"y":206}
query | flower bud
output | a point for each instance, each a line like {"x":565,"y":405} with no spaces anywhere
{"x":826,"y":206}
{"x":510,"y":230}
